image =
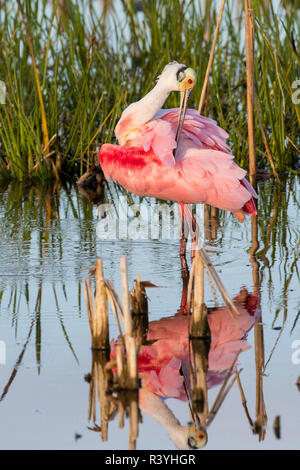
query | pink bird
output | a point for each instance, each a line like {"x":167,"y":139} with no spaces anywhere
{"x":163,"y":362}
{"x":176,"y":154}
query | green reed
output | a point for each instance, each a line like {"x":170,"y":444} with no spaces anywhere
{"x":92,"y":63}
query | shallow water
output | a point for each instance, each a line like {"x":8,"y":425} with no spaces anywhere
{"x":48,"y":240}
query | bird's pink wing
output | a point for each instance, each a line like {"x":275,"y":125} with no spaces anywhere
{"x":158,"y":135}
{"x":213,"y":174}
{"x":202,"y":131}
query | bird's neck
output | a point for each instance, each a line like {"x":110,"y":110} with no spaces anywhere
{"x":156,"y":407}
{"x":153,"y":101}
{"x":141,"y":112}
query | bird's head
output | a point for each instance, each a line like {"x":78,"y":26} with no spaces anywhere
{"x":188,"y":437}
{"x":197,"y":437}
{"x":177,"y":77}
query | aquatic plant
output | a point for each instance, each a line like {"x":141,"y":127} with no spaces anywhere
{"x":70,"y":68}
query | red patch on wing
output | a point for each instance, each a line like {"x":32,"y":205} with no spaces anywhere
{"x":129,"y":158}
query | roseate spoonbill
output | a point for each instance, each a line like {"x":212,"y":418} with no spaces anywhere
{"x":176,"y":154}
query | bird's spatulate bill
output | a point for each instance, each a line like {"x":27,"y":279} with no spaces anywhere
{"x":184,"y":96}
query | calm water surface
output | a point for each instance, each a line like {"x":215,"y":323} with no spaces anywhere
{"x":48,"y":240}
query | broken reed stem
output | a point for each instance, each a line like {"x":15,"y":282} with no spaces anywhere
{"x":198,"y":289}
{"x":202,"y":97}
{"x":131,"y":350}
{"x":261,"y":416}
{"x":98,"y":313}
{"x":199,"y":368}
{"x":199,"y":324}
{"x":133,"y":422}
{"x":190,"y":287}
{"x":127,"y":314}
{"x":97,"y":391}
{"x":91,"y":401}
{"x":199,"y":285}
{"x":100,"y":320}
{"x":120,"y":366}
{"x":214,"y":222}
{"x":113,"y":302}
{"x":277,"y":427}
{"x":138,"y":298}
{"x":100,"y":383}
{"x":126,"y":377}
{"x":121,"y":415}
{"x":249,"y":42}
{"x":132,"y":363}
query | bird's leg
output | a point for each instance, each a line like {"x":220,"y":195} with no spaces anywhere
{"x":195,"y":230}
{"x":185,"y":282}
{"x":184,"y":265}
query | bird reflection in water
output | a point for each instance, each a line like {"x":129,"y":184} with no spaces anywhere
{"x":164,"y":366}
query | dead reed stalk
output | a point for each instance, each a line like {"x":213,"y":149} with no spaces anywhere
{"x":98,"y":310}
{"x":97,"y":391}
{"x":202,"y":97}
{"x":133,"y":420}
{"x":277,"y":427}
{"x":108,"y":400}
{"x":126,"y":358}
{"x":249,"y":42}
{"x":199,"y":367}
{"x":119,"y":391}
{"x":261,"y":415}
{"x":132,"y":370}
{"x":259,"y":426}
{"x":138,"y":298}
{"x":199,"y":321}
{"x":101,"y":309}
{"x":131,"y":348}
{"x":125,"y":295}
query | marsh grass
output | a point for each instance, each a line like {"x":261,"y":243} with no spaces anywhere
{"x":92,"y":63}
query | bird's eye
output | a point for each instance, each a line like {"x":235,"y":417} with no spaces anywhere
{"x":192,"y":443}
{"x":180,"y":74}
